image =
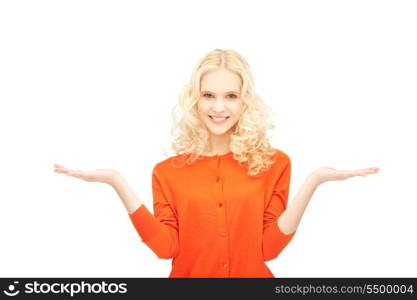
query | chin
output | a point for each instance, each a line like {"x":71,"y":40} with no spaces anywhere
{"x":219,"y":131}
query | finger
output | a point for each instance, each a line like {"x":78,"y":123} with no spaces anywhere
{"x":357,"y":173}
{"x":59,"y":168}
{"x":364,"y":172}
{"x":67,"y":170}
{"x":361,"y":171}
{"x":63,"y":170}
{"x":367,"y":169}
{"x":350,"y":172}
{"x":344,"y":174}
{"x":370,"y":171}
{"x":78,"y":173}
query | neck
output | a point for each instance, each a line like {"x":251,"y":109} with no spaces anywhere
{"x":219,"y":144}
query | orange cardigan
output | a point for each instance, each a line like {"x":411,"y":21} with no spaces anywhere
{"x":214,"y":219}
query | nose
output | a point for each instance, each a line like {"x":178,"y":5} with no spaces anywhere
{"x":218,"y":104}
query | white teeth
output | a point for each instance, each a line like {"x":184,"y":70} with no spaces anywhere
{"x":218,"y":119}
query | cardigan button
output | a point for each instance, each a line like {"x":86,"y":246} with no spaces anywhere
{"x":220,"y":204}
{"x":223,"y":234}
{"x":225,"y":265}
{"x":217,"y":179}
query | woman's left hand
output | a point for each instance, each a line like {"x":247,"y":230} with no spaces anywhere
{"x":328,"y":174}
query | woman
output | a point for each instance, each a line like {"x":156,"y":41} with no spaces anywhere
{"x":220,"y":204}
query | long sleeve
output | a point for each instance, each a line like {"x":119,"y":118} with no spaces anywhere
{"x":159,"y":231}
{"x":274,"y":240}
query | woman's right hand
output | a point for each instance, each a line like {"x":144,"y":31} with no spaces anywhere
{"x":98,"y":175}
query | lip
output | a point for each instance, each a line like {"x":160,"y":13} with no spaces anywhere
{"x":218,"y":116}
{"x":219,"y":122}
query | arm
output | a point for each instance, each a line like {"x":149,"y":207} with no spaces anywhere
{"x":274,"y":239}
{"x":159,"y":231}
{"x":291,"y":217}
{"x":280,"y":221}
{"x":126,"y":194}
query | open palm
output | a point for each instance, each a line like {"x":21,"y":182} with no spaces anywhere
{"x":98,"y":175}
{"x":328,"y":174}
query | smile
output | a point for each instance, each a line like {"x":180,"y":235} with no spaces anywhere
{"x":217,"y":120}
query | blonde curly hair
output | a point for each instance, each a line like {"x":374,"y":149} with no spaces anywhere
{"x":249,"y":141}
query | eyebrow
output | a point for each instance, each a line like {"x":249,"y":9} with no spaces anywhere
{"x":225,"y":93}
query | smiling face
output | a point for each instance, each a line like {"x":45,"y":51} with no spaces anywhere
{"x":220,"y":97}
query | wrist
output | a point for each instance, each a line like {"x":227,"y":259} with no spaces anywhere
{"x":116,"y":179}
{"x":315,"y":179}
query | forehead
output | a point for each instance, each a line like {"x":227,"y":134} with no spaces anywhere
{"x":220,"y":81}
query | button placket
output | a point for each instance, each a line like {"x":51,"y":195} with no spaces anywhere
{"x":222,"y":215}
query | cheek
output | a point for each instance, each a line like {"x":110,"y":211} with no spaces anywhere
{"x":199,"y":107}
{"x":237,"y":111}
{"x":201,"y":110}
{"x":203,"y":107}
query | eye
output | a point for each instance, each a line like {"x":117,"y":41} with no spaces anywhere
{"x":233,"y":96}
{"x":206,"y":95}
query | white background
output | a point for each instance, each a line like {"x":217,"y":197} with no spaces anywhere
{"x":91,"y":84}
